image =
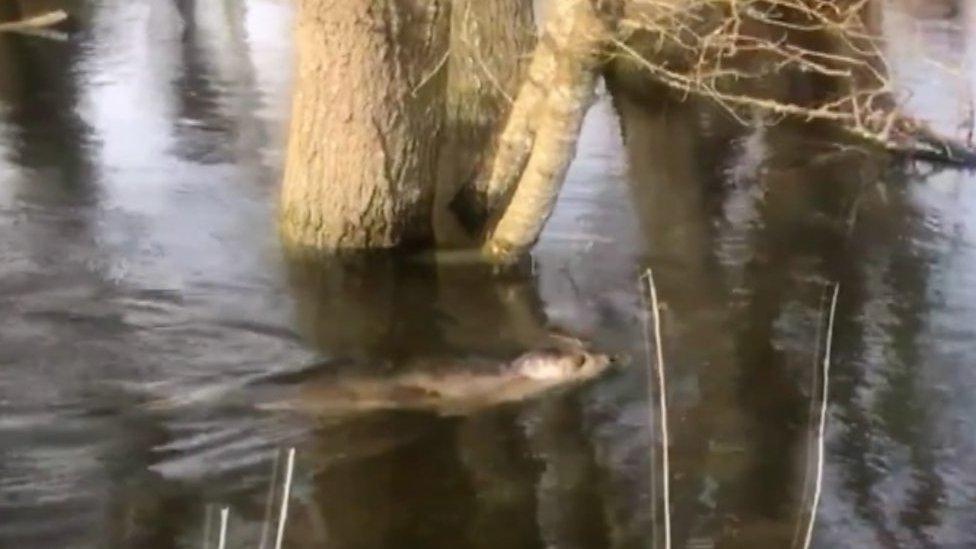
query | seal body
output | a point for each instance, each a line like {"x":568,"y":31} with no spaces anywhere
{"x":446,"y":388}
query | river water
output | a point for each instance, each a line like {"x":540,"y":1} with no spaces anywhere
{"x":143,"y":290}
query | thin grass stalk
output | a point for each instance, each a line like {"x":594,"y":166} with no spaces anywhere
{"x":286,"y":494}
{"x":269,"y":502}
{"x":648,"y":354}
{"x":662,"y":406}
{"x":224,"y":516}
{"x":815,"y":383}
{"x":828,"y":349}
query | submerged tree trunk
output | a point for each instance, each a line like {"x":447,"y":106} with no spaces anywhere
{"x":410,"y":115}
{"x":366,"y":115}
{"x":396,"y":101}
{"x":539,"y":141}
{"x":491,"y":41}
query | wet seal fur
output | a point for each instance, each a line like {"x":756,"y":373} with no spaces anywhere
{"x":449,"y":388}
{"x":445,"y":386}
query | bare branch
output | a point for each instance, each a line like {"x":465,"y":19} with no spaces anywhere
{"x":726,"y":50}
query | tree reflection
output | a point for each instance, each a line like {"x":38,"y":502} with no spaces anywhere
{"x":398,"y":480}
{"x":39,"y":92}
{"x":744,"y":228}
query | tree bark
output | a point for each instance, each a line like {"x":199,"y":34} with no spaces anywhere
{"x":397,"y":102}
{"x":539,"y":140}
{"x":366,"y":114}
{"x":491,"y":43}
{"x":378,"y":123}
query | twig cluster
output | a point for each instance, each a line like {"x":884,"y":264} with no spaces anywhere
{"x":752,"y":55}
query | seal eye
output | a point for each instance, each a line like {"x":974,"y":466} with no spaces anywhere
{"x":579,"y":361}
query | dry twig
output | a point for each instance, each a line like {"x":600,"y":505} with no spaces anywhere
{"x":730,"y":51}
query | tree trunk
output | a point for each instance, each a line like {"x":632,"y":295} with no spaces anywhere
{"x":378,"y":123}
{"x":491,"y":41}
{"x":539,"y":140}
{"x":394,"y":100}
{"x":366,"y":114}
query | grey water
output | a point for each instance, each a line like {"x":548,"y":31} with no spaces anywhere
{"x":143,"y":293}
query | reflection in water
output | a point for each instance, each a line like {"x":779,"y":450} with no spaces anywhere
{"x":415,"y":481}
{"x":397,"y":308}
{"x":147,"y":318}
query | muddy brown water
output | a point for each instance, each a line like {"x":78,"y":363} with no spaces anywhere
{"x":139,"y":261}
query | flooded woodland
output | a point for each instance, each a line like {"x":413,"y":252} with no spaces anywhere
{"x":160,"y":351}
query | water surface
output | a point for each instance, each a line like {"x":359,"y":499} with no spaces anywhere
{"x":143,"y":292}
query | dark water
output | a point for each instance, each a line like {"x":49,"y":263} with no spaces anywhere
{"x":142,"y":289}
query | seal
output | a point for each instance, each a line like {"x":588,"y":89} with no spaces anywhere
{"x":449,"y":388}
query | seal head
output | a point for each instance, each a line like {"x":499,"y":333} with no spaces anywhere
{"x":560,"y":365}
